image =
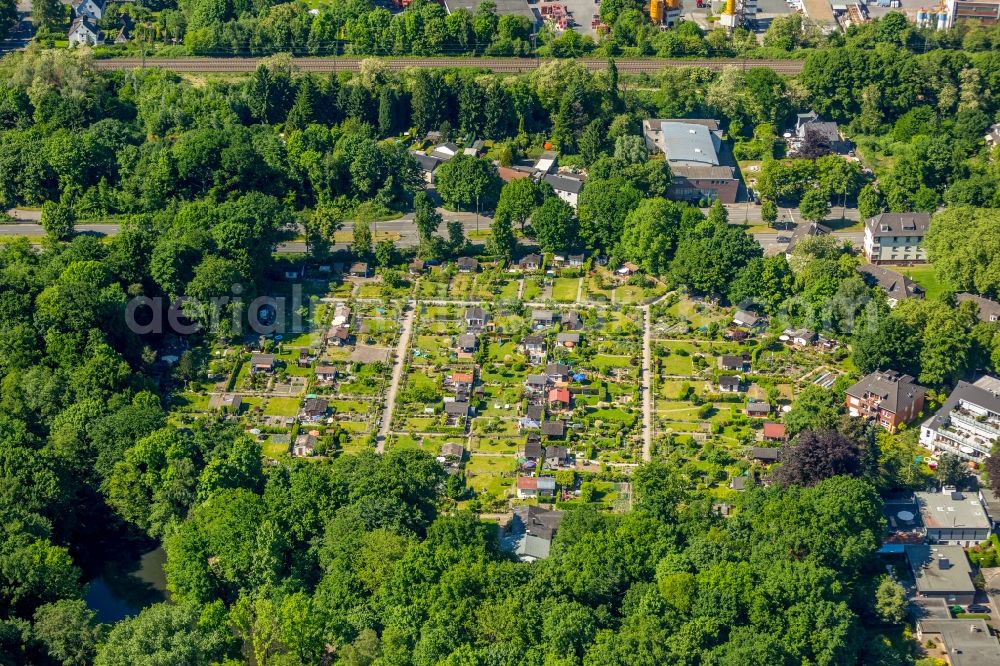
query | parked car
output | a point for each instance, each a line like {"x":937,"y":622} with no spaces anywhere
{"x":783,"y":239}
{"x":978,"y":608}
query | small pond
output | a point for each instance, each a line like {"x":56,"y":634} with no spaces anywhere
{"x":121,"y":590}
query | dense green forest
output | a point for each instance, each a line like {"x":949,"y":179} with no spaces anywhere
{"x":361,"y":560}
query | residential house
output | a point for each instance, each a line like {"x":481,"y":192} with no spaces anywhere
{"x":325,"y":373}
{"x":941,"y":572}
{"x":567,"y":189}
{"x":338,"y":336}
{"x":314,"y":408}
{"x":531,"y":486}
{"x":547,"y":163}
{"x":508,"y":174}
{"x":805,"y":230}
{"x":530,"y":532}
{"x":428,"y":166}
{"x":572,"y":321}
{"x":896,"y":286}
{"x":627,"y":268}
{"x":533,"y":450}
{"x":534,"y":348}
{"x":476,"y":149}
{"x":91,"y":9}
{"x":341,"y":315}
{"x":457,"y":409}
{"x":991,"y":502}
{"x":555,"y":429}
{"x":305,"y":445}
{"x":576,"y":260}
{"x":968,"y":423}
{"x":693,"y":150}
{"x":809,"y":127}
{"x":774,"y":432}
{"x":530,"y":262}
{"x":967,"y":642}
{"x":557,"y":372}
{"x":738,"y":483}
{"x":451,"y":457}
{"x":461,"y":382}
{"x":467,"y":343}
{"x":417,"y":267}
{"x":467,"y":265}
{"x":557,"y":456}
{"x":542,"y":318}
{"x":748,"y":319}
{"x":445,"y":151}
{"x":359,"y":269}
{"x":896,"y":238}
{"x":559,"y":398}
{"x":533,"y":417}
{"x":758,"y":409}
{"x":987,"y":310}
{"x":262,"y":363}
{"x":84,"y":30}
{"x":992,"y":137}
{"x":764,"y":454}
{"x":953,"y":518}
{"x":227,"y":403}
{"x":452,"y":451}
{"x":535,"y":383}
{"x":475,"y":317}
{"x":801,"y":337}
{"x":887,"y":398}
{"x":729,"y":384}
{"x":568,"y":340}
{"x":733,"y":362}
{"x":124,"y":35}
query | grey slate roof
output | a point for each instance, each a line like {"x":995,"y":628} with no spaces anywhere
{"x":964,"y":392}
{"x":899,"y":224}
{"x":892,"y":388}
{"x":729,"y":381}
{"x":456,"y":408}
{"x":555,"y":428}
{"x":988,"y":310}
{"x":895,"y":285}
{"x":564,"y":184}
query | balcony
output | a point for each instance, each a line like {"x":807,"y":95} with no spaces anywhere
{"x":988,"y":427}
{"x":969,"y":444}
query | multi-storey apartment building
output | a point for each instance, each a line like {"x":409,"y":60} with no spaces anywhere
{"x":968,"y":423}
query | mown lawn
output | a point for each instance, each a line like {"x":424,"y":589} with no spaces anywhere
{"x":564,"y":289}
{"x":925,"y":276}
{"x":282,"y":407}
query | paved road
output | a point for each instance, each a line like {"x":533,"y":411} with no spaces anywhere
{"x":407,"y":231}
{"x":33,"y":229}
{"x":398,"y":364}
{"x":513,"y":65}
{"x":23,"y":31}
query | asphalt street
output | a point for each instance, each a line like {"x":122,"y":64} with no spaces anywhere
{"x":406,"y":231}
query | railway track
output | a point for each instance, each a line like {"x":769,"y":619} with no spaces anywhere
{"x":502,"y":65}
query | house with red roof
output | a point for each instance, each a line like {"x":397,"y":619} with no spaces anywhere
{"x":775,"y":432}
{"x":559,"y":398}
